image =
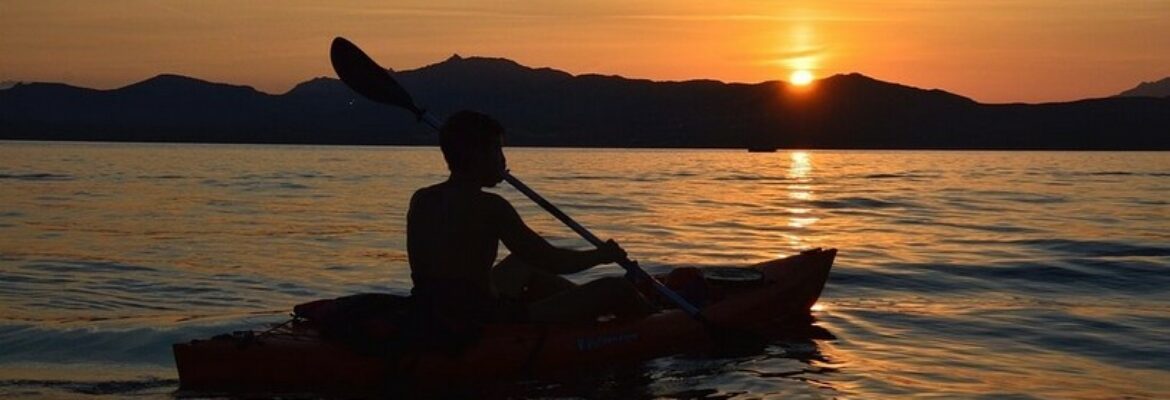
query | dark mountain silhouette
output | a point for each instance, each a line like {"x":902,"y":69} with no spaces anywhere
{"x":1149,"y":89}
{"x":546,"y":107}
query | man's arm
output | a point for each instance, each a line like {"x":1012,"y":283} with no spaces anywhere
{"x":525,"y":243}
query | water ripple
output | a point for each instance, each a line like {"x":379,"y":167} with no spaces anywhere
{"x":99,"y":388}
{"x":85,"y":267}
{"x":862,"y":203}
{"x":38,"y":177}
{"x":1084,"y":248}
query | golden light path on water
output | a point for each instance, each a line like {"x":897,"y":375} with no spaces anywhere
{"x":800,"y":191}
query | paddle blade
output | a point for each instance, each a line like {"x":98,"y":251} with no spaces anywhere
{"x":366,"y":77}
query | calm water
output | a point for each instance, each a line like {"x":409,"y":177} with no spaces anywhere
{"x":961,"y":274}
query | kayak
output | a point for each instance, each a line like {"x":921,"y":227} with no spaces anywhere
{"x":296,"y":358}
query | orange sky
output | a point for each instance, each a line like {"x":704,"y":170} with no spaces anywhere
{"x":990,"y":50}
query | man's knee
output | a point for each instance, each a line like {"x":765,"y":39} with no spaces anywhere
{"x":625,"y":296}
{"x":617,"y":285}
{"x":510,"y":277}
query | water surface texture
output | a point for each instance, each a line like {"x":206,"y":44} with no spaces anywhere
{"x":960,"y":274}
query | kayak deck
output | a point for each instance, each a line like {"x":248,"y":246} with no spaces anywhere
{"x":293,"y":358}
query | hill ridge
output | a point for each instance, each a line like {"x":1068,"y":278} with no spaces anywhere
{"x":549,"y":107}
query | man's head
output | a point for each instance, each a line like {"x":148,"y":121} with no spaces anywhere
{"x":472,"y":144}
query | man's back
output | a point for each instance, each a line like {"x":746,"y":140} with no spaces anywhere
{"x":452,"y":234}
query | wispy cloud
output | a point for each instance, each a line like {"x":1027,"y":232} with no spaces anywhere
{"x":800,"y":53}
{"x":746,"y":17}
{"x":426,"y":12}
{"x":785,"y":58}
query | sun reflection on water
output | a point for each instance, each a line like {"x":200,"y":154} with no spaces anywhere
{"x":801,"y":165}
{"x":799,"y":170}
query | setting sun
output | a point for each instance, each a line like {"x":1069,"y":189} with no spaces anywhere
{"x":801,"y":77}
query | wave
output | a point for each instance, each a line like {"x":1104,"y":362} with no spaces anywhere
{"x":603,"y":207}
{"x":911,"y":176}
{"x":1083,"y":248}
{"x":283,"y":175}
{"x":117,"y":341}
{"x":161,"y":177}
{"x":93,"y":388}
{"x":255,"y":185}
{"x":574,"y":177}
{"x":1110,"y":173}
{"x":1079,"y":276}
{"x":754,"y":177}
{"x":1119,"y":173}
{"x":862,"y":203}
{"x":1018,"y":197}
{"x":84,"y":267}
{"x":1096,"y":248}
{"x":38,"y":176}
{"x":1024,"y":329}
{"x":1066,"y":276}
{"x":655,"y":177}
{"x":998,"y":228}
{"x":847,"y":280}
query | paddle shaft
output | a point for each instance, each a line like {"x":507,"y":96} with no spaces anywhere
{"x":632,"y":268}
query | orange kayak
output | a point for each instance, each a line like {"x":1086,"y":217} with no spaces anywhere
{"x":294,"y":358}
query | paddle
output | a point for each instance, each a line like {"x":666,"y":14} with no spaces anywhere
{"x":367,"y":78}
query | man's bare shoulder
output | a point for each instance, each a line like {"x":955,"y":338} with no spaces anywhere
{"x":491,"y":201}
{"x":428,"y":192}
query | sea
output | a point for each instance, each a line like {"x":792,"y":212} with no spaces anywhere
{"x":961,"y":274}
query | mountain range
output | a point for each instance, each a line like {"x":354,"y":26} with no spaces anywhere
{"x":547,"y":107}
{"x":1149,"y":89}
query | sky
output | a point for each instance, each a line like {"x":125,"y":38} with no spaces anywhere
{"x":990,"y":50}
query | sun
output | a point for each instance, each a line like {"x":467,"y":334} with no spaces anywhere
{"x":801,"y":77}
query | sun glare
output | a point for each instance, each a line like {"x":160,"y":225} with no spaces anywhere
{"x":801,"y":77}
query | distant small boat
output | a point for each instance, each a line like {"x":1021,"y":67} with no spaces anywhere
{"x":761,"y":149}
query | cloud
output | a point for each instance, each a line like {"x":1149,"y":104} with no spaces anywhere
{"x":696,"y":17}
{"x":794,"y":54}
{"x":424,"y":12}
{"x":804,"y":58}
{"x":790,"y":18}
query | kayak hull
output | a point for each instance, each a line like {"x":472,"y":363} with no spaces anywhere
{"x":295,"y":358}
